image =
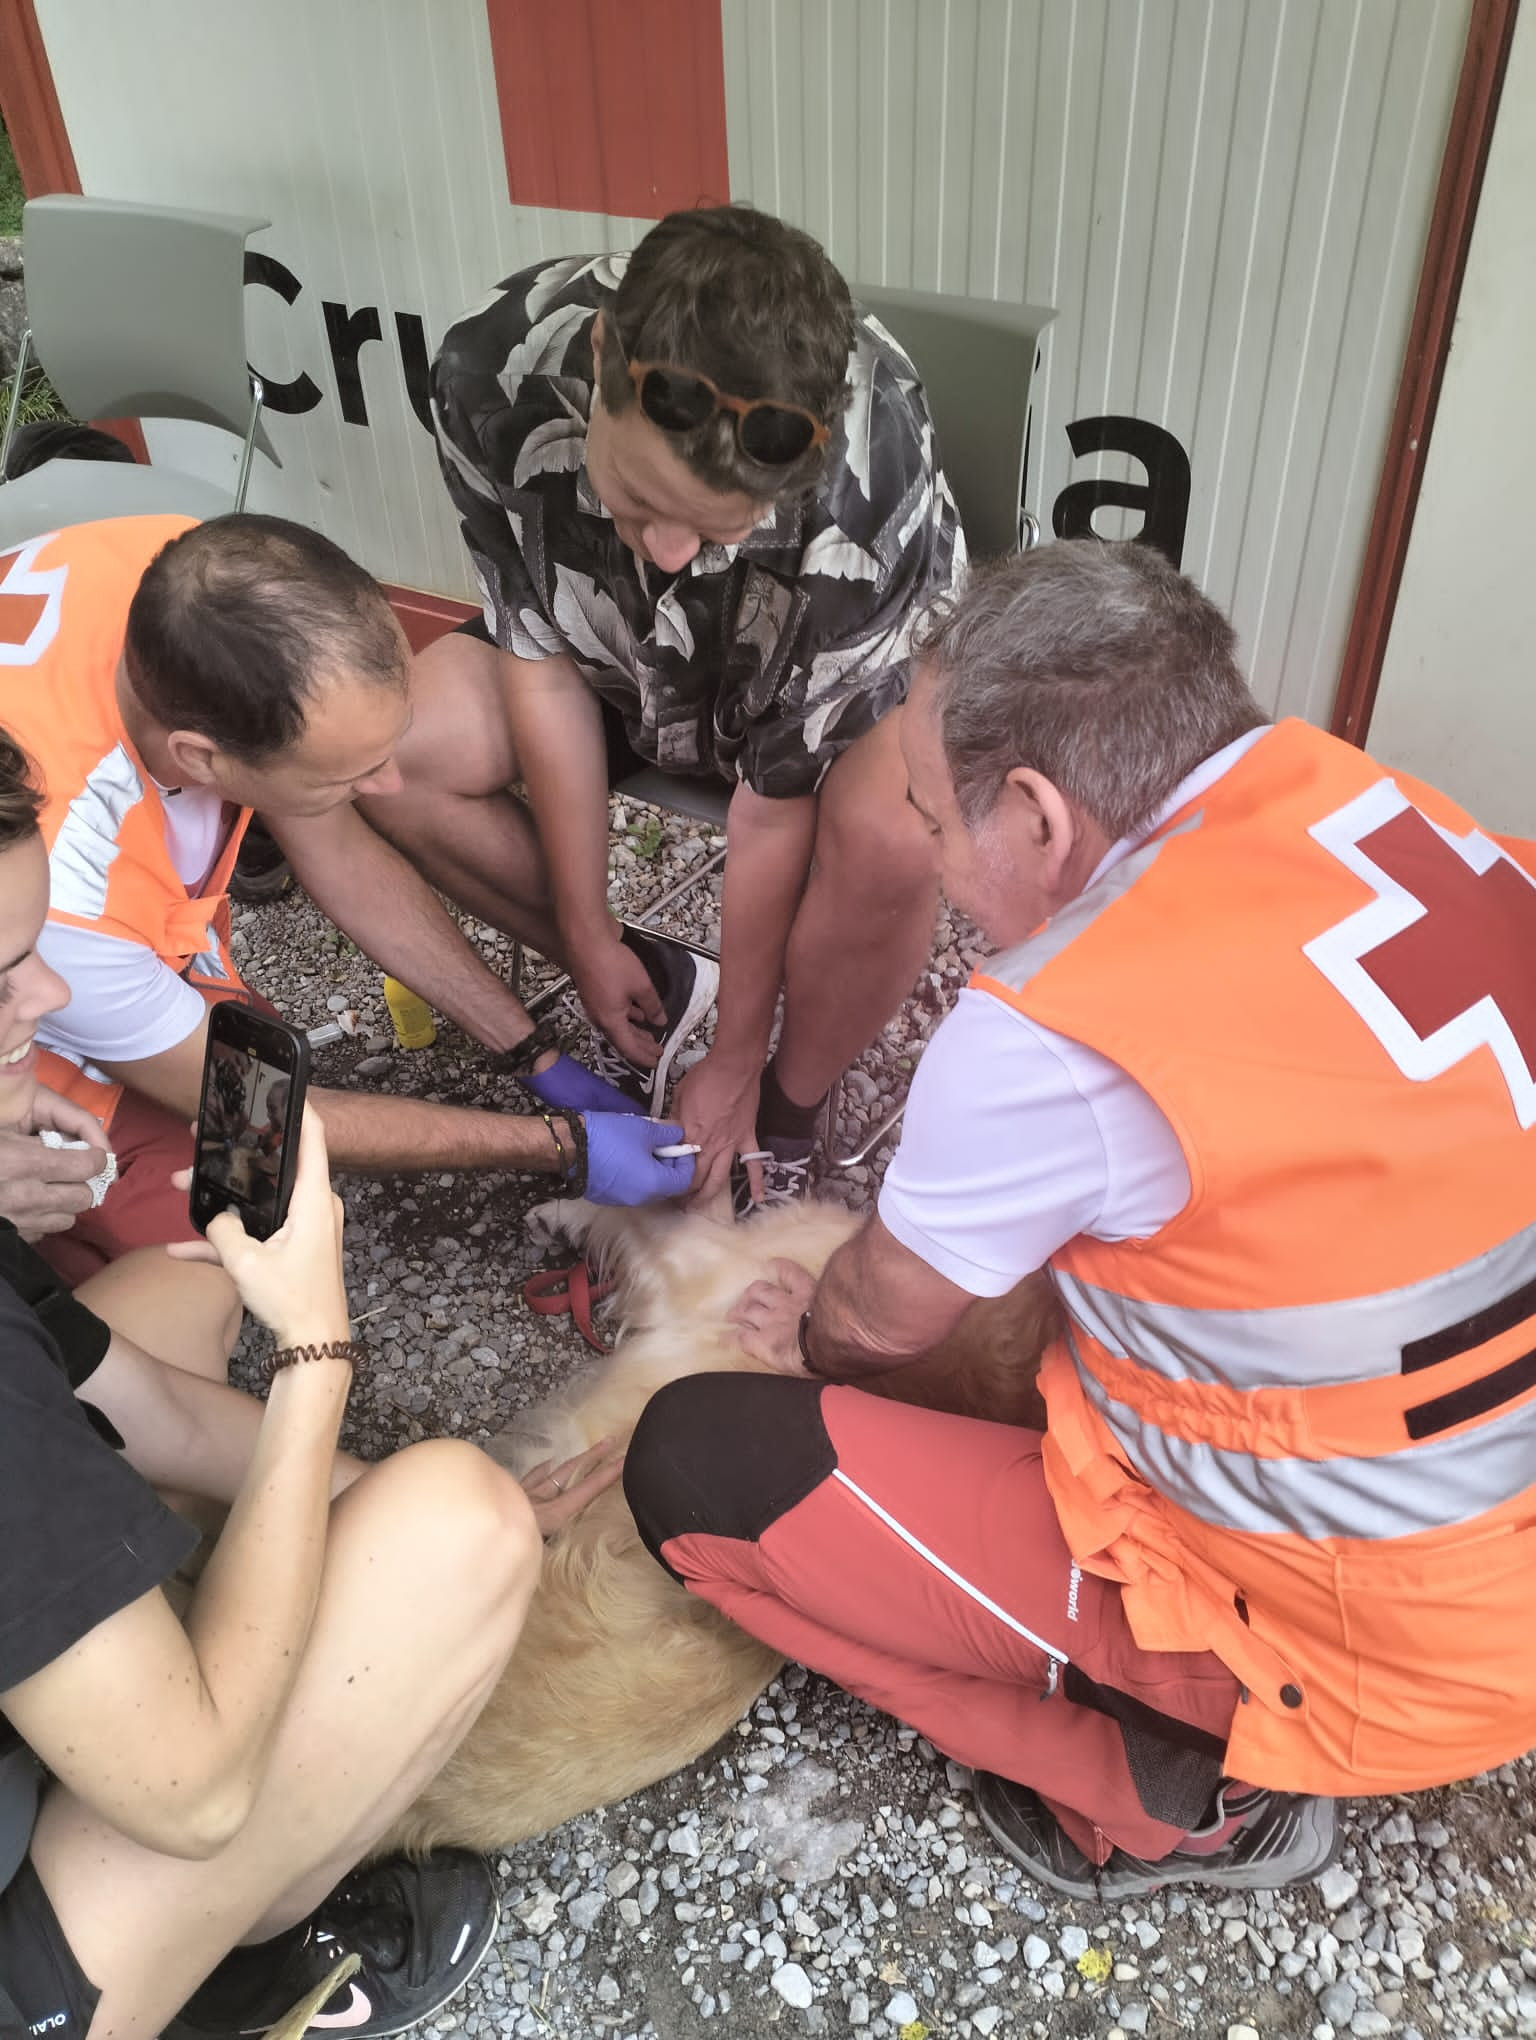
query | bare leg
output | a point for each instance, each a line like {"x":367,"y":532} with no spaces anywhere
{"x":455,"y":819}
{"x":431,"y":1561}
{"x":184,"y":1312}
{"x":865,"y":926}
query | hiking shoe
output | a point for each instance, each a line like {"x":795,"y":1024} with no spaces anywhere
{"x":261,"y":870}
{"x":686,"y":983}
{"x":786,"y":1175}
{"x":419,"y":1932}
{"x":1287,"y":1838}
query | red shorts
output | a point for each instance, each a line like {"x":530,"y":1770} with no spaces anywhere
{"x":143,"y":1208}
{"x":916,"y":1559}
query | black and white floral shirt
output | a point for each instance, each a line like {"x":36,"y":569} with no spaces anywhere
{"x":759,"y":661}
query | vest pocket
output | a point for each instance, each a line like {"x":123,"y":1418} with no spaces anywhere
{"x":1445,"y":1653}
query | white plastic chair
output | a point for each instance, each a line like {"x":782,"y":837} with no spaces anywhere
{"x":134,"y":311}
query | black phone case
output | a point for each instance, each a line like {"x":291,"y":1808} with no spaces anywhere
{"x":281,"y":1047}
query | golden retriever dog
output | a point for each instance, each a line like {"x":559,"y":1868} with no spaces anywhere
{"x":620,"y":1676}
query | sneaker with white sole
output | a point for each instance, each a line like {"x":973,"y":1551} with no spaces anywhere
{"x":1284,"y":1838}
{"x":786,"y":1166}
{"x":418,"y":1932}
{"x":686,"y":983}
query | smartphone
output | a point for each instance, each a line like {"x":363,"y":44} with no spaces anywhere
{"x":255,"y":1074}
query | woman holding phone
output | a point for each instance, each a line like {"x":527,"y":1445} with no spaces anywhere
{"x":183,"y":1796}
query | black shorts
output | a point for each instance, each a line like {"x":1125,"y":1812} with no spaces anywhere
{"x":43,"y":1989}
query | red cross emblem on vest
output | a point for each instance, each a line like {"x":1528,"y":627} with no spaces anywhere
{"x":1442,"y":961}
{"x":30,"y":604}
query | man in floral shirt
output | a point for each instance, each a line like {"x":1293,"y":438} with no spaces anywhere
{"x":704,"y":504}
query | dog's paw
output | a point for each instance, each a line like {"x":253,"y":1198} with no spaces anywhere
{"x":562,"y":1221}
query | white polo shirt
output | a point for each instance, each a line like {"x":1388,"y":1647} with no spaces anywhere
{"x":1017,"y":1139}
{"x":126,"y":1004}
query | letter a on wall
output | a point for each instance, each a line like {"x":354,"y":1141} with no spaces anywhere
{"x":611,"y":106}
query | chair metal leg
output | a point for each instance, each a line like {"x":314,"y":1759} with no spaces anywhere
{"x":248,"y":446}
{"x":871,"y":1140}
{"x":23,"y":355}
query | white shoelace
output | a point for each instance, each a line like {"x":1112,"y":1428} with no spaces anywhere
{"x":785,"y":1182}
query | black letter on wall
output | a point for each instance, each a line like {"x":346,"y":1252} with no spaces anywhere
{"x":416,"y":364}
{"x":303,"y":393}
{"x":1163,"y":498}
{"x":349,"y":333}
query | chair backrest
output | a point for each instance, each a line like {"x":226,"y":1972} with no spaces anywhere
{"x":976,"y":360}
{"x":137,"y":311}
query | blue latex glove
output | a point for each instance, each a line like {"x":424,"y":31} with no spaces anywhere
{"x":569,"y":1086}
{"x":621,"y":1168}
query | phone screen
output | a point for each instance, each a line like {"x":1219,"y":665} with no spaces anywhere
{"x":242,"y":1127}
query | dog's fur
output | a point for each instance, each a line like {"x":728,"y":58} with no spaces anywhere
{"x":621,"y":1677}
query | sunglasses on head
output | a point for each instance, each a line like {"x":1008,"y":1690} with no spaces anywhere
{"x":680,"y":400}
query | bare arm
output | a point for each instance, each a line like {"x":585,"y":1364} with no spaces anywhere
{"x":165,"y":1731}
{"x":181,"y":1430}
{"x":368,"y":1131}
{"x":769,"y":845}
{"x":373,"y":895}
{"x":876,"y":1307}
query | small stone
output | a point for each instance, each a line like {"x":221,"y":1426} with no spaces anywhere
{"x":902,"y":2009}
{"x":1134,"y":2016}
{"x":1241,"y":2033}
{"x":1448,"y":1958}
{"x":607,"y":1990}
{"x":1338,"y":2003}
{"x":1370,"y":2024}
{"x":373,"y":1066}
{"x":584,"y":1912}
{"x":622,"y":1878}
{"x":1337,"y":1886}
{"x":984,"y":2019}
{"x":1036,"y":1952}
{"x":793,"y":1985}
{"x":684,"y":1841}
{"x":539,"y":1914}
{"x":858,"y":2009}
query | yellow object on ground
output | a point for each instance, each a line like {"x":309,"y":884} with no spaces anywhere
{"x":412,"y":1016}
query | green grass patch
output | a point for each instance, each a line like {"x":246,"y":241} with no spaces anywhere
{"x":11,"y":193}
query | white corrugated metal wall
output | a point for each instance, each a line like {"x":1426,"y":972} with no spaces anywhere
{"x":1224,"y":200}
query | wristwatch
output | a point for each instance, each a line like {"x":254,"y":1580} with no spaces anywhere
{"x":803,"y":1336}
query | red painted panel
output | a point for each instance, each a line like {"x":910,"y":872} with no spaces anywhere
{"x":423,"y":616}
{"x":612,"y":106}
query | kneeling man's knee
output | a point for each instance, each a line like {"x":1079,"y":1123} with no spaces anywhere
{"x":724,"y":1455}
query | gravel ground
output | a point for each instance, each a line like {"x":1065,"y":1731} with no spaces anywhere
{"x":821,"y":1871}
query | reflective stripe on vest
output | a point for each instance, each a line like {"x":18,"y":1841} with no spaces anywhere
{"x":87,"y":842}
{"x":1430,"y":1486}
{"x":1311,"y":1345}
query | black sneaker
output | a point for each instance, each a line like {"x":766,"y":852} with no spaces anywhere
{"x":686,"y":983}
{"x":418,"y":1931}
{"x":786,"y":1167}
{"x":1287,"y":1839}
{"x":261,"y":870}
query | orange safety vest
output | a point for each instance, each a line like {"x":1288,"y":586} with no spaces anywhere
{"x":64,"y":602}
{"x":1299,"y":1421}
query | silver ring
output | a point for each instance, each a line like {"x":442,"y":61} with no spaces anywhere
{"x":557,"y":1485}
